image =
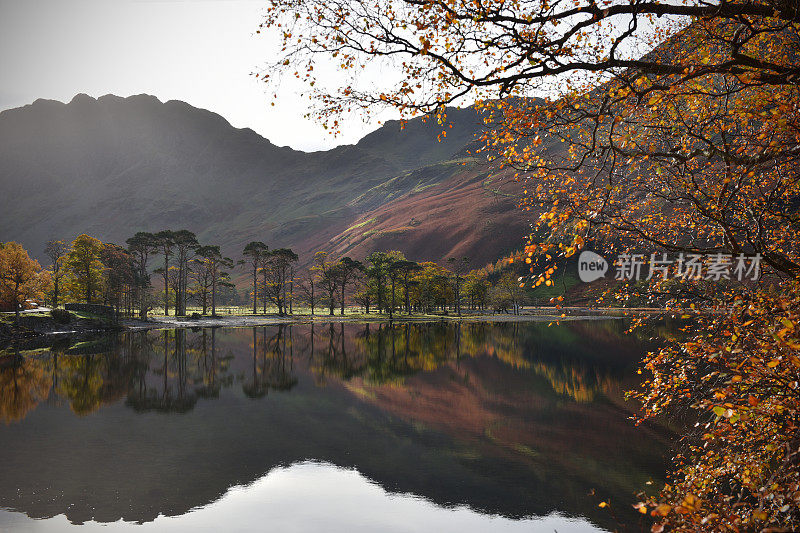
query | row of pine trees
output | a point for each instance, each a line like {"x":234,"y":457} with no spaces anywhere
{"x":172,"y":270}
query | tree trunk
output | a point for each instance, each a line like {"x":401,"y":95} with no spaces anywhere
{"x":264,"y":292}
{"x":255,"y":291}
{"x":214,"y":297}
{"x":16,"y":304}
{"x":282,"y":296}
{"x":391,"y":309}
{"x":408,"y":303}
{"x":380,"y":295}
{"x":178,"y":296}
{"x":166,"y":285}
{"x":88,"y":295}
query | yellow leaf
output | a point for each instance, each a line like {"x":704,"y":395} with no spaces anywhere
{"x":663,"y":509}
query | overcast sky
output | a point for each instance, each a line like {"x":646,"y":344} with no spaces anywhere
{"x":199,"y":51}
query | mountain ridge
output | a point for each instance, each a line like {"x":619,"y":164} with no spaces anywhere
{"x":111,"y":166}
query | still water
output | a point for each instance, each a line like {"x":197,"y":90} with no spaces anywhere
{"x":333,"y":427}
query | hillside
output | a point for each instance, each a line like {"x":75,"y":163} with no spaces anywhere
{"x":113,"y":166}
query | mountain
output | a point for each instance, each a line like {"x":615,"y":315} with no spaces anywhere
{"x":113,"y":166}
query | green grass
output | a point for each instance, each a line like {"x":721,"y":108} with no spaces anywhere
{"x":90,"y":316}
{"x":421,"y":187}
{"x":361,"y":224}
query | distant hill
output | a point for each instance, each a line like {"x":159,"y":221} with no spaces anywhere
{"x":113,"y":166}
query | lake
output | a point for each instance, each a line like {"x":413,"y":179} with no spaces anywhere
{"x":353,"y":427}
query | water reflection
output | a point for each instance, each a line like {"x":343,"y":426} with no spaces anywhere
{"x":512,"y":419}
{"x":322,"y":497}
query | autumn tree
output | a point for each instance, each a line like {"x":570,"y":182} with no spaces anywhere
{"x":55,"y":251}
{"x":459,"y":267}
{"x":174,"y":280}
{"x":201,"y":271}
{"x":185,"y":243}
{"x":141,"y":246}
{"x":347,"y":270}
{"x":308,"y":286}
{"x":255,"y":252}
{"x":378,"y":267}
{"x":406,"y":270}
{"x":84,"y":268}
{"x":213,"y":264}
{"x":476,"y":288}
{"x":120,"y":274}
{"x":279,"y":268}
{"x":690,"y":146}
{"x":365,"y":292}
{"x":432,"y":286}
{"x":395,"y":267}
{"x":328,"y":275}
{"x":508,"y":293}
{"x":20,"y":276}
{"x":166,"y":242}
{"x":668,"y":127}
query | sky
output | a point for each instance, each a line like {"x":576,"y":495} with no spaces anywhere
{"x":200,"y":51}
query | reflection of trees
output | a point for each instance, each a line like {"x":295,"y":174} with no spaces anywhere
{"x":85,"y":374}
{"x":389,"y":353}
{"x":273,"y":362}
{"x":101,"y":374}
{"x":182,"y":368}
{"x":379,"y":353}
{"x":81,"y":381}
{"x":282,"y":360}
{"x":256,"y":387}
{"x":169,"y":370}
{"x":208,"y":366}
{"x":385,"y":353}
{"x":171,"y":394}
{"x":24,"y":382}
{"x":579,"y":382}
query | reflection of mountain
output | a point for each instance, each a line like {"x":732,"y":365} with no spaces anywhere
{"x":445,"y":412}
{"x":303,"y":496}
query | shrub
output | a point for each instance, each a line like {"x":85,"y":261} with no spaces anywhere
{"x":62,"y":316}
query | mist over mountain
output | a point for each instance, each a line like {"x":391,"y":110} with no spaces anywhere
{"x":113,"y":166}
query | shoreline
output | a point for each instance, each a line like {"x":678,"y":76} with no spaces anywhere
{"x":528,"y":314}
{"x":44,"y":327}
{"x":267,"y":320}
